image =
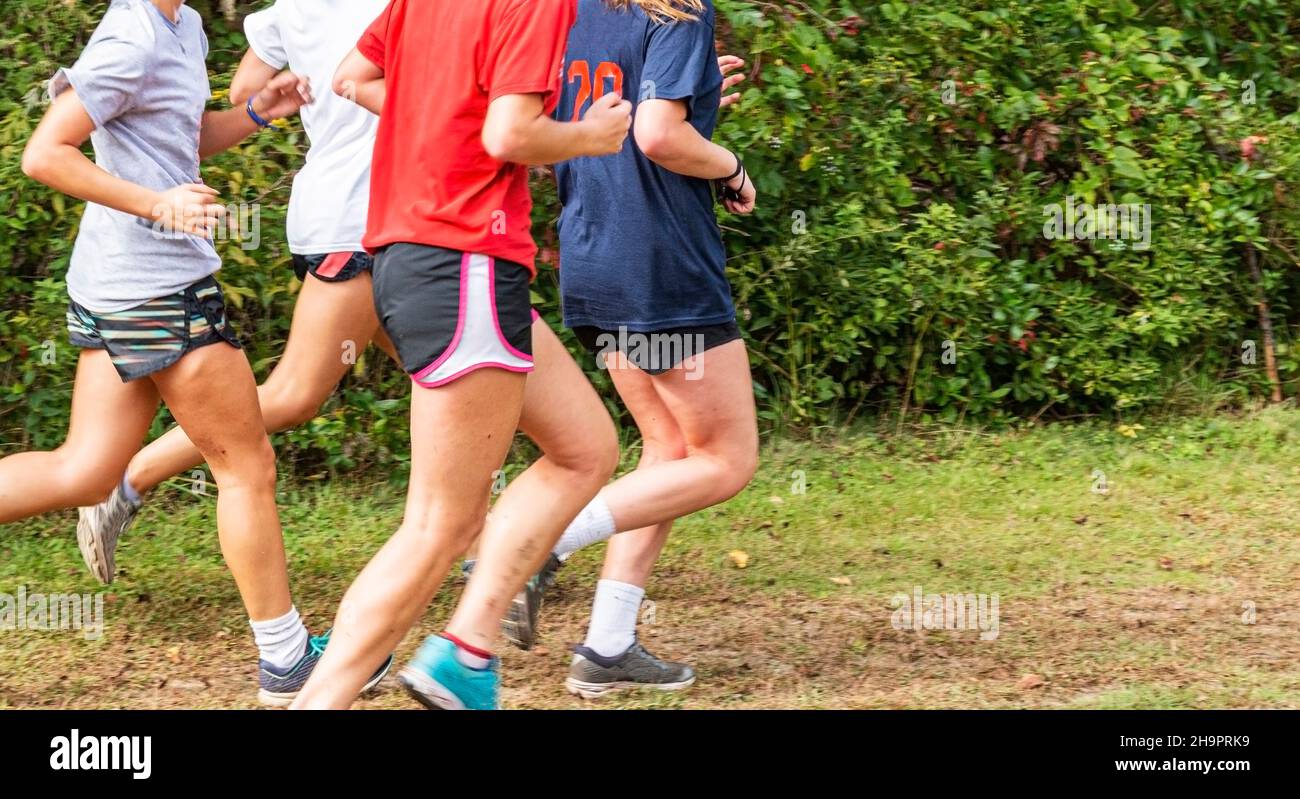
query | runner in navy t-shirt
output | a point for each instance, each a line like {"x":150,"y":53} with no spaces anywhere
{"x":642,"y":274}
{"x":641,"y":245}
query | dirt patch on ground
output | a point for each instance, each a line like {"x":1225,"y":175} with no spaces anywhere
{"x":1077,"y":647}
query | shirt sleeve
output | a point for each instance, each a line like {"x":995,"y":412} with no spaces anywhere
{"x":265,"y":37}
{"x":681,"y":61}
{"x":374,"y":42}
{"x":525,"y":50}
{"x":111,"y":70}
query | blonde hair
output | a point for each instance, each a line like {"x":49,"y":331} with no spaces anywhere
{"x":663,"y":10}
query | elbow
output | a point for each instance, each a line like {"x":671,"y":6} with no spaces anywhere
{"x":504,"y":144}
{"x":655,"y":143}
{"x":345,"y":84}
{"x":36,"y":163}
{"x":345,"y":87}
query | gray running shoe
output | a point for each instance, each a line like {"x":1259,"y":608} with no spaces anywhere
{"x":279,"y":687}
{"x":98,"y":530}
{"x":520,"y":624}
{"x":592,"y":676}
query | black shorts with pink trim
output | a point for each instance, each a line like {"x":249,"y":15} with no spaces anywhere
{"x":450,"y":313}
{"x":335,"y":267}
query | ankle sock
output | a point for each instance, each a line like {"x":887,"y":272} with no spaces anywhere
{"x":613,"y":618}
{"x":595,"y":523}
{"x":280,"y":642}
{"x":471,"y":657}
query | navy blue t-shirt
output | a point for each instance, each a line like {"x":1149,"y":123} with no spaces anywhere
{"x":639,"y":245}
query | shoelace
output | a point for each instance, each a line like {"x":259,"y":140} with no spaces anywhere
{"x":318,"y":642}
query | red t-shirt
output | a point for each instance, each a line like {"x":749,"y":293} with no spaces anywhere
{"x":444,"y":61}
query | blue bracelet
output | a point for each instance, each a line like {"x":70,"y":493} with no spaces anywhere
{"x":261,"y":123}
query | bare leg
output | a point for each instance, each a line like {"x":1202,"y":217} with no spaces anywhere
{"x":330,"y":320}
{"x":460,"y":435}
{"x":631,"y":556}
{"x":109,"y":421}
{"x":719,"y":426}
{"x":563,"y":414}
{"x":213,"y":396}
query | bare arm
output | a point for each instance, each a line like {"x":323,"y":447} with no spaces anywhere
{"x":665,"y":137}
{"x":53,"y":156}
{"x":282,"y":96}
{"x":253,"y":74}
{"x":518,"y":130}
{"x":359,"y":80}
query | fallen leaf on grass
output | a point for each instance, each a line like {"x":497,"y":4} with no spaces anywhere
{"x":739,"y":558}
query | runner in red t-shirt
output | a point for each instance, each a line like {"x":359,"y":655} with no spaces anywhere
{"x":464,"y":91}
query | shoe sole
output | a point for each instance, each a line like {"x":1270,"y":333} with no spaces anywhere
{"x":93,"y":552}
{"x":274,"y":699}
{"x":516,"y":626}
{"x":428,"y":691}
{"x":270,"y":699}
{"x":595,"y":690}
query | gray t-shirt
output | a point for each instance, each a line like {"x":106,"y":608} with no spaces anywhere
{"x":144,"y":82}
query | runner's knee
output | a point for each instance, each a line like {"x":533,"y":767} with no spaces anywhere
{"x":592,"y":460}
{"x":85,"y":480}
{"x":446,"y":527}
{"x":251,"y":468}
{"x":731,"y":469}
{"x":86,"y":474}
{"x":286,"y":404}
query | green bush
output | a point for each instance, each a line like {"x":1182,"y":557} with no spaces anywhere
{"x":905,"y":153}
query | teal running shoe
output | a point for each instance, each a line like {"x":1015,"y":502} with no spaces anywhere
{"x":437,"y":680}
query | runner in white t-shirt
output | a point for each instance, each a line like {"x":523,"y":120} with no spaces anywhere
{"x":335,"y":314}
{"x":331,"y":195}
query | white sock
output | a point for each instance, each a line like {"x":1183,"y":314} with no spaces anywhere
{"x":594,"y":524}
{"x":613,"y":617}
{"x":281,"y":641}
{"x":476,"y":659}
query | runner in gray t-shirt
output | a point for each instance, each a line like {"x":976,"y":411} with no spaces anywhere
{"x":145,"y":311}
{"x":143,"y":81}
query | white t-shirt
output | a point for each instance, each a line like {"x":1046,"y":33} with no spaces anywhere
{"x":331,"y":194}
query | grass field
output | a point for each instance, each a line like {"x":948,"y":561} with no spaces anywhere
{"x":1154,"y":567}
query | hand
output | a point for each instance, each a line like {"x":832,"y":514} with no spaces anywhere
{"x":607,"y":123}
{"x":748,"y":194}
{"x":191,"y":208}
{"x":282,"y":96}
{"x":729,"y":64}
